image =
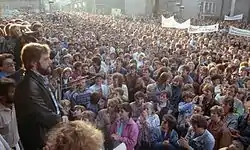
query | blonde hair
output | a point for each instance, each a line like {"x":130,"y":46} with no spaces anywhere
{"x":75,"y":135}
{"x":65,"y":103}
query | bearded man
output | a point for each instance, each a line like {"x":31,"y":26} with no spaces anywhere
{"x":36,"y":107}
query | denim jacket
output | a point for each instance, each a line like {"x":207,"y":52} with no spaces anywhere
{"x":205,"y":141}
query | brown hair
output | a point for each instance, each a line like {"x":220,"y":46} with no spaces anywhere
{"x":78,"y":135}
{"x":77,"y":64}
{"x":32,"y":52}
{"x":126,"y":106}
{"x":119,"y":77}
{"x":208,"y":87}
{"x":4,"y":57}
{"x":199,"y":120}
{"x":114,"y":102}
{"x":218,"y":110}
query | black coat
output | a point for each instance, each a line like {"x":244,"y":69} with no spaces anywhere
{"x":35,"y":110}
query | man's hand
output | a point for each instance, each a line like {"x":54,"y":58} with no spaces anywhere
{"x":115,"y":136}
{"x":183,"y":142}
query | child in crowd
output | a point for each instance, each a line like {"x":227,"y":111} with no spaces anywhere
{"x":185,"y":111}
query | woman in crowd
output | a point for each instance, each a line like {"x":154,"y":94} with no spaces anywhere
{"x":118,"y":81}
{"x":217,"y":128}
{"x":230,"y":118}
{"x":125,"y":130}
{"x":165,"y":137}
{"x":147,"y":121}
{"x":105,"y":118}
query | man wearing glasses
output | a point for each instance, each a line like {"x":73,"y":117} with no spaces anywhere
{"x":7,"y":65}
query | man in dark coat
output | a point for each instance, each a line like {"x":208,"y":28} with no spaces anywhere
{"x":36,"y":107}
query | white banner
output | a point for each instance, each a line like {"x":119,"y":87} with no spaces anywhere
{"x":237,"y":17}
{"x":239,"y":32}
{"x":203,"y":29}
{"x":171,"y":23}
{"x":184,"y":25}
{"x":116,"y":12}
{"x":168,"y":22}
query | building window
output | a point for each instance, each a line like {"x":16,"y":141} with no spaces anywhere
{"x":208,"y":7}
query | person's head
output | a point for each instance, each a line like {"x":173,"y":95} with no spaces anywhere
{"x":164,"y":78}
{"x":132,"y":68}
{"x":184,"y":70}
{"x":168,"y":123}
{"x":89,"y":116}
{"x":177,"y":80}
{"x":247,"y":106}
{"x":66,"y":104}
{"x":7,"y":90}
{"x":148,"y":107}
{"x":77,"y":66}
{"x":231,"y":90}
{"x":188,"y":87}
{"x":164,"y":96}
{"x":125,"y":111}
{"x":228,"y":104}
{"x":118,"y":80}
{"x":78,"y":135}
{"x":7,"y":65}
{"x":198,"y":122}
{"x":113,"y":105}
{"x":208,"y":91}
{"x":217,"y":113}
{"x":146,"y":72}
{"x":216,"y":79}
{"x":67,"y":72}
{"x":96,"y":62}
{"x":98,"y":79}
{"x":139,"y":97}
{"x":15,"y":30}
{"x":118,"y":62}
{"x":247,"y":84}
{"x":85,"y":68}
{"x":94,"y":98}
{"x":187,"y":96}
{"x":198,"y":110}
{"x":36,"y":57}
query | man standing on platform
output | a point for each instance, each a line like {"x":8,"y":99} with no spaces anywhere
{"x":37,"y":109}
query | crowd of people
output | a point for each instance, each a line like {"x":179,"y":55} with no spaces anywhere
{"x":89,"y":82}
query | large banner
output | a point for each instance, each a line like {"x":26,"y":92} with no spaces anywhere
{"x":237,"y":17}
{"x":184,"y":25}
{"x":203,"y":29}
{"x":171,"y":23}
{"x":168,"y":22}
{"x":239,"y":32}
{"x":116,"y":12}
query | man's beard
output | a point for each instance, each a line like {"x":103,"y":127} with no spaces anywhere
{"x":43,"y":71}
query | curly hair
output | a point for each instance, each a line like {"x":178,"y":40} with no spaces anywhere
{"x":75,"y":135}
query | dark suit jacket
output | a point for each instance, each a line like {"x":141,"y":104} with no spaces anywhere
{"x":36,"y":112}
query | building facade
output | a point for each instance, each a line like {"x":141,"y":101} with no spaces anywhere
{"x":207,"y":8}
{"x":27,"y":5}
